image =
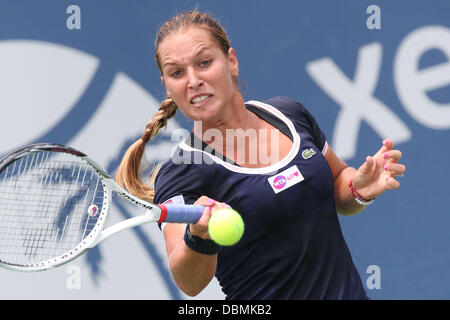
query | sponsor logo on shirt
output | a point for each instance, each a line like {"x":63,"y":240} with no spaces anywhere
{"x":279,"y":182}
{"x":308,"y":153}
{"x":285,"y":179}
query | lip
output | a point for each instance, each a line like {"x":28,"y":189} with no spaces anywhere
{"x":199,"y":104}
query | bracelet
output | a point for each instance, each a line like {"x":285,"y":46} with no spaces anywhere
{"x":357,"y":196}
{"x":204,"y":246}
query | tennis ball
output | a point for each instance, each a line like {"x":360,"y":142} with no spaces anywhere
{"x":226,"y":227}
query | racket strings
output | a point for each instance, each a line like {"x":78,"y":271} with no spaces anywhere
{"x":44,"y":201}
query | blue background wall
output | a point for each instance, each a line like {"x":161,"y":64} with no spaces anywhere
{"x":62,"y":85}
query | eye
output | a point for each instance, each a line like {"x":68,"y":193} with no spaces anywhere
{"x":175,"y":74}
{"x":205,"y":63}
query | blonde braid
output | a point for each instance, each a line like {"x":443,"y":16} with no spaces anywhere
{"x":128,"y":172}
{"x":166,"y":111}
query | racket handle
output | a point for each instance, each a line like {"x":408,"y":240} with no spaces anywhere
{"x":180,"y":213}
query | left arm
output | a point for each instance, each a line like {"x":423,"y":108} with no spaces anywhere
{"x":370,"y":180}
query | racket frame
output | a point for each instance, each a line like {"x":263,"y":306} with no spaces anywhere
{"x":98,"y":234}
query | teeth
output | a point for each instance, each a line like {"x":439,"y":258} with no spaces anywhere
{"x":199,"y":99}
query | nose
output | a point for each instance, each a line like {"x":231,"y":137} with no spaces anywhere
{"x":194,"y":80}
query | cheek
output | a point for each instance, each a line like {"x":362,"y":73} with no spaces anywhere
{"x":224,"y":81}
{"x":174,"y":89}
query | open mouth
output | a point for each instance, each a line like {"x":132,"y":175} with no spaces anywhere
{"x":201,"y":98}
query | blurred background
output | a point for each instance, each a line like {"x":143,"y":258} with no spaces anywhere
{"x":82,"y":73}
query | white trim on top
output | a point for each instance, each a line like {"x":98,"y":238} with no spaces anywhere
{"x":264,"y":170}
{"x":325,"y":148}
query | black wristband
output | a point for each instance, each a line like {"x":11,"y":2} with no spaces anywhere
{"x":204,"y":246}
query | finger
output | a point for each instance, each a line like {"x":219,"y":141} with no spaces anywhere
{"x":209,"y":205}
{"x":396,"y":169}
{"x":212,"y":206}
{"x":222,"y":205}
{"x":367,"y":166}
{"x":393,"y":155}
{"x":218,"y":206}
{"x":200,"y":228}
{"x":392,"y":183}
{"x":388,"y":145}
{"x":205,"y":201}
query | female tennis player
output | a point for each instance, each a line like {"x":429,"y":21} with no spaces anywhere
{"x":288,"y":196}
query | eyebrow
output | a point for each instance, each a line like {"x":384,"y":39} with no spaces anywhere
{"x":199,"y":52}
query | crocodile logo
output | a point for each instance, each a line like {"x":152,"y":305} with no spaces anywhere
{"x":308,"y":153}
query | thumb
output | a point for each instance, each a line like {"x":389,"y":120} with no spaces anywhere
{"x":367,"y":166}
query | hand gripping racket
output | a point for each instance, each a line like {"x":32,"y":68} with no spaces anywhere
{"x":54,"y":201}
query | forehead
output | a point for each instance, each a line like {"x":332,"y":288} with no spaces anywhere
{"x":183,"y":45}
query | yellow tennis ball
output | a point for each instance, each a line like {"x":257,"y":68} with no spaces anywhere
{"x":226,"y":227}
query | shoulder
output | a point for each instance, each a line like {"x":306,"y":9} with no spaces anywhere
{"x":289,"y":107}
{"x":285,"y":104}
{"x":293,"y":109}
{"x":300,"y":116}
{"x":282,"y":101}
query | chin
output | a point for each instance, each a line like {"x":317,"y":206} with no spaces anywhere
{"x":207,"y":113}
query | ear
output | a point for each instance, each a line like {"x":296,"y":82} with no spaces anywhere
{"x":233,"y":62}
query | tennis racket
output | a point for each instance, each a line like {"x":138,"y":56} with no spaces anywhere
{"x":54,"y":201}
